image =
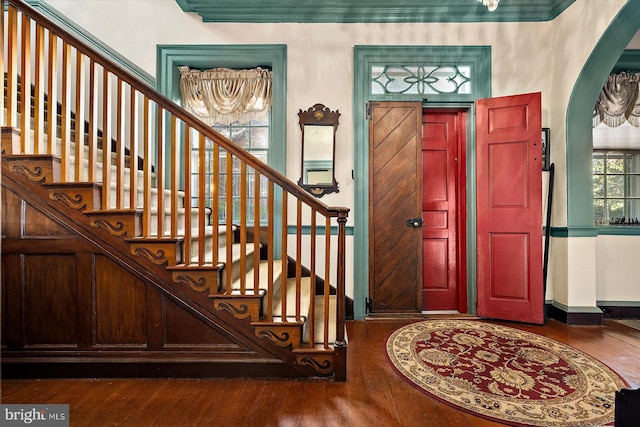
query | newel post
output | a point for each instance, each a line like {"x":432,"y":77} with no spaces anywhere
{"x":340,"y":344}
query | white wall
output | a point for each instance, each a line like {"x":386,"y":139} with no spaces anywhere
{"x":526,"y":57}
{"x":635,"y":42}
{"x":618,"y":268}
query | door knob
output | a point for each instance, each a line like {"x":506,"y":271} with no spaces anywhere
{"x":414,"y":222}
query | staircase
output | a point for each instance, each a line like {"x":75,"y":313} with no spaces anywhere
{"x":111,"y":264}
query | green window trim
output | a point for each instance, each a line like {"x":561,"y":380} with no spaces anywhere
{"x":273,"y":56}
{"x":169,"y":57}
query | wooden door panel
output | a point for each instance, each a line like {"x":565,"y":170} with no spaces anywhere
{"x":511,"y":283}
{"x":509,"y":184}
{"x":395,"y":182}
{"x":435,"y":162}
{"x":509,"y":213}
{"x":436,"y":264}
{"x":395,"y":251}
{"x":436,"y":219}
{"x":508,"y":118}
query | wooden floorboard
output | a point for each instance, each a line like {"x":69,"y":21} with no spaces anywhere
{"x":373,"y":394}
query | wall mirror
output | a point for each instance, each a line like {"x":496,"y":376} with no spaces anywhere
{"x":318,"y":125}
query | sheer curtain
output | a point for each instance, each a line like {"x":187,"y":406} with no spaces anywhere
{"x":223,"y":96}
{"x":619,"y":101}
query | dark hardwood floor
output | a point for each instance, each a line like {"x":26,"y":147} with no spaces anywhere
{"x":374,"y":395}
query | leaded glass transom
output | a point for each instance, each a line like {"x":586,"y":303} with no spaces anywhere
{"x":421,"y":79}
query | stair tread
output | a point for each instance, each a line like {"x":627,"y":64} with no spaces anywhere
{"x":263,"y":276}
{"x":277,"y":320}
{"x":236,"y":251}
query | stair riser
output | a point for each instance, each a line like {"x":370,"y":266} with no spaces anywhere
{"x":167,"y":218}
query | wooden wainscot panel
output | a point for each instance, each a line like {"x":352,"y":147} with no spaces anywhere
{"x":21,"y":220}
{"x":120,"y":306}
{"x":184,"y":330}
{"x":12,"y":300}
{"x":11,"y":214}
{"x":38,"y":225}
{"x":50,"y":317}
{"x":5,"y":261}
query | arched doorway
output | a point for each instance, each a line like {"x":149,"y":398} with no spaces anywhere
{"x":580,"y":109}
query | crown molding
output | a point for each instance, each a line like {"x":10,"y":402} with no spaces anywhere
{"x":378,"y":11}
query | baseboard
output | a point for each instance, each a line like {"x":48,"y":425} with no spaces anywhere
{"x":574,"y":315}
{"x":620,"y":309}
{"x":75,"y":369}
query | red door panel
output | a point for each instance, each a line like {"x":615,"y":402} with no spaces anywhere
{"x":441,"y":286}
{"x":509,"y":213}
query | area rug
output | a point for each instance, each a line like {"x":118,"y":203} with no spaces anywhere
{"x":504,"y":374}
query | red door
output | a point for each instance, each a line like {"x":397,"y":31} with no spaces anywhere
{"x":443,"y":207}
{"x":509,"y":212}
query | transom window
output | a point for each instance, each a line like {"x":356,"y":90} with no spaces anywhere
{"x":616,"y":187}
{"x":420,"y":79}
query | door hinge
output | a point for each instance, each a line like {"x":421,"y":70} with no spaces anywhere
{"x":368,"y":305}
{"x":369,"y":108}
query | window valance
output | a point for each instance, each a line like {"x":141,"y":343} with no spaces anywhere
{"x":223,"y":96}
{"x":619,"y":101}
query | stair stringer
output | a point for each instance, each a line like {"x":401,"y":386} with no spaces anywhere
{"x":281,"y":361}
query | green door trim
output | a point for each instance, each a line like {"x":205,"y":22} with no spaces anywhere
{"x":364,"y":57}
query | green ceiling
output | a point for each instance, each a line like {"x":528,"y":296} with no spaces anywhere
{"x":352,"y":11}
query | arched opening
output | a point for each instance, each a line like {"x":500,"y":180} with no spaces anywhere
{"x":580,"y":209}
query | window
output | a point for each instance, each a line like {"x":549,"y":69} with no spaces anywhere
{"x":421,"y":79}
{"x":253,"y":137}
{"x":236,"y":103}
{"x":272,"y":56}
{"x":616,"y":187}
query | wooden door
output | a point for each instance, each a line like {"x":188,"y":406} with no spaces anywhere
{"x":443,"y":210}
{"x":395,"y":190}
{"x":509,"y":213}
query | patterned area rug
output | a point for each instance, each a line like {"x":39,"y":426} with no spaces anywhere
{"x":505,"y":374}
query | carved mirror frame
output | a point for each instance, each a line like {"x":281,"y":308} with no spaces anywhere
{"x":317,"y":163}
